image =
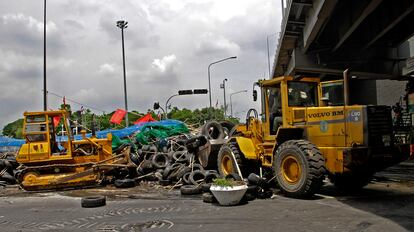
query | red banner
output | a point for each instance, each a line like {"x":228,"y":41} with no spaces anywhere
{"x":146,"y":118}
{"x":118,"y":116}
{"x":56,"y":121}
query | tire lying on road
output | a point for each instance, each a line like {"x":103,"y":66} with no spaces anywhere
{"x":190,"y":190}
{"x":124,"y":183}
{"x":94,"y":201}
{"x":209,"y":198}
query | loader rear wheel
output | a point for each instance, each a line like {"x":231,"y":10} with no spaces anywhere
{"x":225,"y":161}
{"x":299,"y":168}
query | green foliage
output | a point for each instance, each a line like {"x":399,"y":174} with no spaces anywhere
{"x":198,"y":117}
{"x":223,"y":182}
{"x":14,"y":129}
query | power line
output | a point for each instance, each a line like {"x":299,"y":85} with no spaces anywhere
{"x":76,"y":102}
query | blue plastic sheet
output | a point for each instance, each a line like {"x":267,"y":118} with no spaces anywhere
{"x":121,"y":133}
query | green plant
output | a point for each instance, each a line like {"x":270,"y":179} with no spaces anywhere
{"x":223,"y":182}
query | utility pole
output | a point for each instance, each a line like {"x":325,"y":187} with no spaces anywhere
{"x":123,"y":24}
{"x":44,"y":59}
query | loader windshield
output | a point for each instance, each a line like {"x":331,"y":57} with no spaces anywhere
{"x":302,"y":93}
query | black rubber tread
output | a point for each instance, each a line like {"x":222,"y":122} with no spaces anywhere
{"x":197,"y":167}
{"x":210,"y":176}
{"x":179,"y":172}
{"x":230,"y":147}
{"x":248,"y":197}
{"x":160,"y":161}
{"x":217,"y":133}
{"x":124,"y":183}
{"x":93,"y":201}
{"x":185,"y":178}
{"x":196,"y":177}
{"x":252,"y":189}
{"x":352,"y":182}
{"x":313,"y":168}
{"x":3,"y":183}
{"x":206,"y":187}
{"x":208,"y":198}
{"x":190,"y":190}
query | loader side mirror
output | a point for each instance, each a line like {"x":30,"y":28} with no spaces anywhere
{"x":254,"y":95}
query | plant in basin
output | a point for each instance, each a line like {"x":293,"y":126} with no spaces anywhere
{"x":228,"y":191}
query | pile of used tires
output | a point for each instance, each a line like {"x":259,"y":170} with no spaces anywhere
{"x":170,"y":161}
{"x":8,"y":166}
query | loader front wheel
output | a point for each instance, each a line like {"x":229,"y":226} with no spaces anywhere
{"x":225,"y":161}
{"x":299,"y":168}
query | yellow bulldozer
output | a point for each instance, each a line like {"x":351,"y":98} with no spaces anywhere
{"x":49,"y":161}
{"x":307,"y":131}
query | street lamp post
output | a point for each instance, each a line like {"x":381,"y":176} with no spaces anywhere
{"x":124,"y":24}
{"x":209,"y":79}
{"x":44,"y":58}
{"x":268,"y":52}
{"x":223,"y":86}
{"x":231,"y":103}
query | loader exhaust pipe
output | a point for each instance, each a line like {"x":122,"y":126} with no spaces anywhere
{"x":346,"y":87}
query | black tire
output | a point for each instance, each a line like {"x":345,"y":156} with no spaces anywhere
{"x":160,"y":161}
{"x":8,"y":178}
{"x":185,"y":178}
{"x":352,"y":182}
{"x":252,"y":189}
{"x":124,"y":183}
{"x":255,"y":179}
{"x":164,"y":182}
{"x":226,"y":162}
{"x":91,"y":202}
{"x":196,"y":177}
{"x":227,"y":126}
{"x":307,"y":160}
{"x":205,"y":187}
{"x":210,"y":176}
{"x":248,"y":197}
{"x":190,"y":190}
{"x":3,"y":183}
{"x":265,"y":194}
{"x":179,"y":172}
{"x":169,"y":169}
{"x":181,"y":156}
{"x":209,"y":198}
{"x":198,"y":167}
{"x":213,"y":130}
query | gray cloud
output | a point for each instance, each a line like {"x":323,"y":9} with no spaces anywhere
{"x":169,"y":44}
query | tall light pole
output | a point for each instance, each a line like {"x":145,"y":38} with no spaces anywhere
{"x":209,"y":80}
{"x":231,"y":103}
{"x":124,"y":24}
{"x":268,"y":52}
{"x":44,"y":59}
{"x":223,"y":86}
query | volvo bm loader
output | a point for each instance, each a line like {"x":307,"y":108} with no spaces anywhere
{"x":51,"y":162}
{"x":308,"y":130}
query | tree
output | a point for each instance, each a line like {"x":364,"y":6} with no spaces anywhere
{"x":14,"y":129}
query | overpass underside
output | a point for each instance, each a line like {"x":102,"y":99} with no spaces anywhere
{"x":325,"y":37}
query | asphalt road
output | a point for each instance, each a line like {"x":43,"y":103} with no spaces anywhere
{"x":385,"y":205}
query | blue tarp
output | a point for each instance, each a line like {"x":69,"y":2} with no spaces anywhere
{"x":121,"y":133}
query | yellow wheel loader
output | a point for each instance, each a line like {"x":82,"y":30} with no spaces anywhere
{"x":51,"y":162}
{"x":308,"y":130}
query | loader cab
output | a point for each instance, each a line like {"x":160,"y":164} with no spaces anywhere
{"x":281,"y":96}
{"x":41,"y":134}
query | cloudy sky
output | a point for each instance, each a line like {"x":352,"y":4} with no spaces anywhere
{"x":169,"y":44}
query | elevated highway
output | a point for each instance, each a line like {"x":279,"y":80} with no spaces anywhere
{"x":324,"y":37}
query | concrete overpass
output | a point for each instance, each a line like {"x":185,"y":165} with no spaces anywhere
{"x":324,"y":37}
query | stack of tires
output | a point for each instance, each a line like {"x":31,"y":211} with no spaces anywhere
{"x":8,"y":167}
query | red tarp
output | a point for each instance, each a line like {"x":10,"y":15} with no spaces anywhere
{"x":118,"y":116}
{"x":146,"y":118}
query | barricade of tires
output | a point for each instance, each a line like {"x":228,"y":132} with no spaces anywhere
{"x":8,"y":166}
{"x":170,"y":161}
